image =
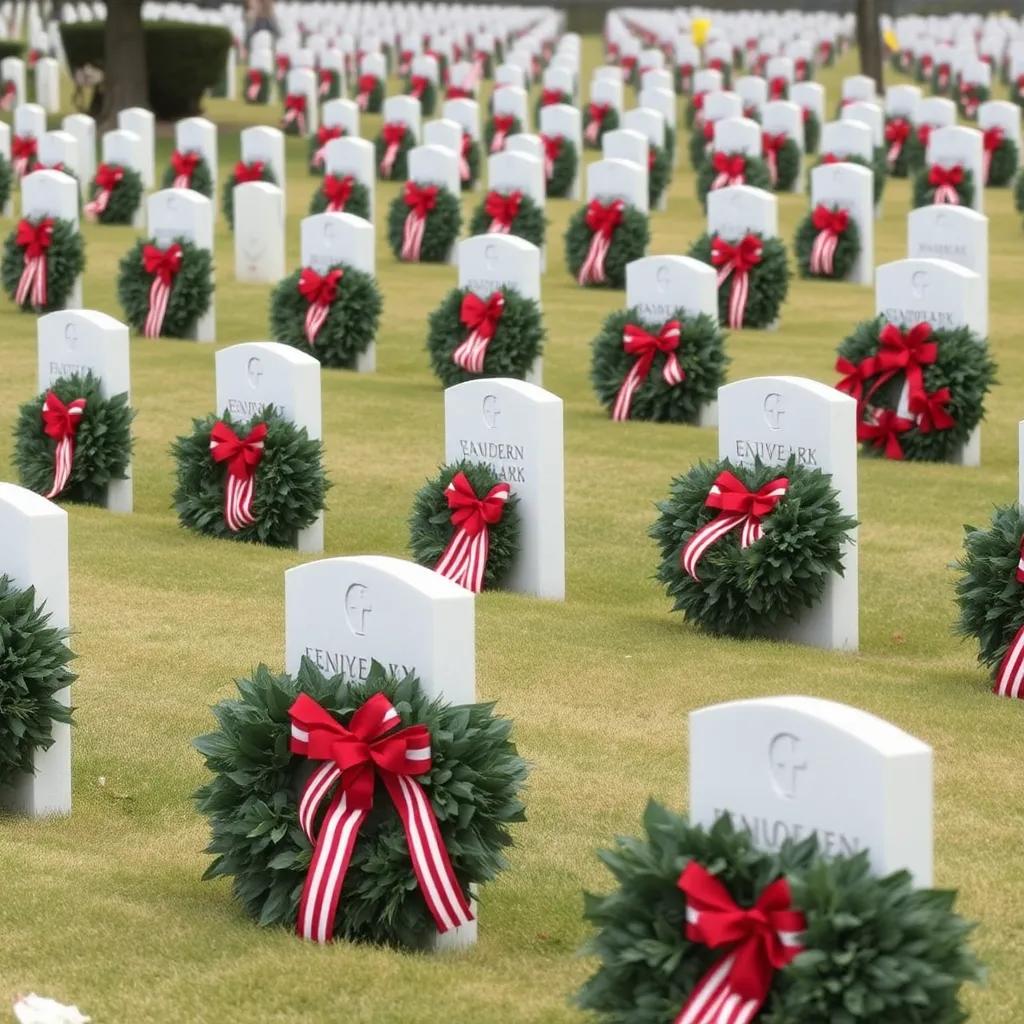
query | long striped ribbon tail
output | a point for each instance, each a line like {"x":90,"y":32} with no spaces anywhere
{"x":412,"y":236}
{"x":390,"y":155}
{"x":823,"y":253}
{"x":95,"y":207}
{"x":159,"y":297}
{"x":253,"y":92}
{"x":183,"y":181}
{"x":592,"y":131}
{"x":498,"y":142}
{"x":497,"y":227}
{"x":465,"y":559}
{"x":7,"y":101}
{"x":336,"y":206}
{"x":549,"y":167}
{"x":714,"y":1002}
{"x":737,"y":295}
{"x":320,"y":156}
{"x":894,"y":153}
{"x":238,"y":495}
{"x":470,"y":353}
{"x":986,"y":164}
{"x":624,"y":399}
{"x":947,"y":194}
{"x":316,"y":317}
{"x":325,"y":88}
{"x":693,"y":550}
{"x":62,"y":463}
{"x":1010,"y":678}
{"x":32,"y":284}
{"x":773,"y":167}
{"x":20,"y":166}
{"x":721,"y":180}
{"x":592,"y":271}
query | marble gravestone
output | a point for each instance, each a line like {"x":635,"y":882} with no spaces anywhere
{"x":351,"y":156}
{"x":510,"y":172}
{"x":53,"y":194}
{"x":404,"y":110}
{"x":198,"y":135}
{"x":259,"y":213}
{"x":143,"y":124}
{"x":83,"y":128}
{"x":561,"y":119}
{"x":265,"y":144}
{"x":342,"y":114}
{"x":850,"y":187}
{"x":618,"y":179}
{"x":125,"y":148}
{"x":956,"y":145}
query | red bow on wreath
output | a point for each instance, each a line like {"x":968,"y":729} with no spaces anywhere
{"x":552,"y":149}
{"x":295,"y":112}
{"x":596,"y":113}
{"x":503,"y":210}
{"x":337,"y":191}
{"x":1010,"y":677}
{"x":242,"y":457}
{"x":354,"y":758}
{"x":320,"y":293}
{"x":897,"y":131}
{"x":550,"y":97}
{"x":33,"y":240}
{"x":163,"y":265}
{"x":602,"y":221}
{"x":392,"y":133}
{"x":737,"y":506}
{"x":61,"y":422}
{"x":697,"y":102}
{"x":324,"y":134}
{"x":249,"y":172}
{"x":637,"y":342}
{"x":418,"y":85}
{"x":800,"y":69}
{"x":108,"y":177}
{"x":882,"y":429}
{"x":503,"y":124}
{"x":777,"y":88}
{"x":730,"y":169}
{"x":254,"y":83}
{"x":946,"y":181}
{"x":855,"y":376}
{"x":969,"y":98}
{"x":482,"y":320}
{"x":831,"y":225}
{"x":283,"y":64}
{"x":24,"y":150}
{"x":457,"y":93}
{"x":756,"y":942}
{"x":908,"y":351}
{"x":465,"y":557}
{"x":924,"y":133}
{"x":736,"y":260}
{"x":420,"y":201}
{"x":467,"y":145}
{"x":367,"y":83}
{"x":929,"y":409}
{"x":771,"y":144}
{"x":184,"y":165}
{"x":326,"y":81}
{"x":991,"y":140}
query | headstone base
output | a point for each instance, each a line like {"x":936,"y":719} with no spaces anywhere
{"x":311,"y":539}
{"x":969,"y":454}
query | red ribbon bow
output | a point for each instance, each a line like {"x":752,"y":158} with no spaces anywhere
{"x":465,"y":557}
{"x":392,"y":133}
{"x":503,"y":124}
{"x":730,"y":168}
{"x":242,"y":457}
{"x":778,"y":88}
{"x":320,"y":293}
{"x":284,"y":64}
{"x":737,"y":506}
{"x":882,"y":431}
{"x":326,"y":80}
{"x":644,"y":347}
{"x":831,"y":225}
{"x":602,"y":221}
{"x":924,"y":133}
{"x":370,"y":748}
{"x":482,"y":320}
{"x":946,"y":181}
{"x":771,"y":143}
{"x":855,"y":375}
{"x":550,"y":97}
{"x":418,"y":85}
{"x":337,"y":191}
{"x":420,"y":200}
{"x":184,"y":165}
{"x":24,"y":150}
{"x":596,"y":114}
{"x":552,"y":149}
{"x":295,"y":111}
{"x":163,"y":265}
{"x":929,"y":408}
{"x":254,"y":82}
{"x":757,"y":943}
{"x":367,"y":83}
{"x":991,"y":141}
{"x":61,"y":422}
{"x":457,"y":93}
{"x":736,"y":261}
{"x":108,"y":177}
{"x":897,"y":131}
{"x":34,"y":240}
{"x":249,"y":172}
{"x":908,"y":351}
{"x":503,"y":210}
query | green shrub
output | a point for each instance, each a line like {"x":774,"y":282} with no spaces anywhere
{"x":184,"y":61}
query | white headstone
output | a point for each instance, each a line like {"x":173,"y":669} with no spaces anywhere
{"x":198,"y":135}
{"x":259,"y":216}
{"x":851,"y":188}
{"x":466,"y":112}
{"x":752,"y":91}
{"x":948,"y":147}
{"x":723,"y":104}
{"x":60,"y":148}
{"x":355,"y":157}
{"x":936,"y":111}
{"x":809,"y":96}
{"x":738,"y":209}
{"x":341,"y":113}
{"x":12,"y":69}
{"x":1004,"y":115}
{"x":561,"y":119}
{"x":53,"y":194}
{"x":265,"y":144}
{"x":83,"y":128}
{"x":304,"y":81}
{"x":870,"y":114}
{"x":903,"y":101}
{"x":512,"y":100}
{"x":607,"y":91}
{"x":618,"y":179}
{"x":444,"y":133}
{"x":435,"y":165}
{"x":847,"y":138}
{"x":737,"y":135}
{"x":30,"y":121}
{"x":142,"y":122}
{"x":404,"y":110}
{"x":860,"y":87}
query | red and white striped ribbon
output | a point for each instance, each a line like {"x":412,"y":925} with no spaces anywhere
{"x":465,"y":558}
{"x":737,"y":295}
{"x":823,"y":252}
{"x":238,"y":502}
{"x":159,"y":297}
{"x":638,"y":342}
{"x":412,"y":235}
{"x":592,"y":271}
{"x":32,"y":283}
{"x":1010,"y":678}
{"x":62,"y":420}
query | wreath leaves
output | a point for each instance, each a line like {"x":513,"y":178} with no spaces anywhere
{"x":400,"y":168}
{"x":125,"y":198}
{"x":847,"y":248}
{"x":227,"y":201}
{"x":629,"y":242}
{"x":65,"y":263}
{"x":530,"y":223}
{"x":924,"y":192}
{"x":358,"y":203}
{"x":442,"y":229}
{"x":563,"y":169}
{"x":756,"y":176}
{"x":201,"y":180}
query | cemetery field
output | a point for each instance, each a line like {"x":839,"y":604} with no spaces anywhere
{"x":106,"y":910}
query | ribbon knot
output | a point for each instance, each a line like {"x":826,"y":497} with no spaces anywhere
{"x":482,"y":320}
{"x":596,"y":113}
{"x":392,"y":133}
{"x":946,"y":181}
{"x":644,"y":346}
{"x":909,"y":351}
{"x":184,"y":165}
{"x":778,"y":88}
{"x":736,"y":261}
{"x":61,"y":422}
{"x":418,"y":85}
{"x":320,"y":292}
{"x":855,"y":375}
{"x":34,"y":239}
{"x":550,"y":97}
{"x":24,"y":151}
{"x":602,"y":219}
{"x":552,"y":150}
{"x":242,"y":457}
{"x":503,"y":124}
{"x":897,"y":131}
{"x":737,"y":507}
{"x":730,"y":168}
{"x":108,"y":177}
{"x":503,"y":210}
{"x":465,"y":557}
{"x":246,"y":172}
{"x":420,"y":200}
{"x":882,"y":429}
{"x":929,"y":408}
{"x":337,"y":191}
{"x":367,"y":83}
{"x":831,"y":226}
{"x":163,"y":266}
{"x":353,"y":758}
{"x":295,"y":111}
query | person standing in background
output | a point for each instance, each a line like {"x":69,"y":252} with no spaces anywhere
{"x":259,"y":16}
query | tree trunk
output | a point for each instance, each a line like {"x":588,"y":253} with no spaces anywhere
{"x":869,"y":41}
{"x":125,"y":81}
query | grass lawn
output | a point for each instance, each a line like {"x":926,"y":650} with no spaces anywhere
{"x":106,"y":909}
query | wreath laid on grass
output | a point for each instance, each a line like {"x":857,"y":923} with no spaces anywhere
{"x":561,"y":159}
{"x":255,"y":170}
{"x":753,"y":277}
{"x":473,"y":786}
{"x":469,"y":337}
{"x":498,"y":128}
{"x":260,"y":481}
{"x":659,"y":171}
{"x":189,"y":170}
{"x":164,"y":292}
{"x":969,"y":97}
{"x":370,"y":94}
{"x":43,"y":258}
{"x":318,"y":146}
{"x":782,"y":155}
{"x":70,"y":442}
{"x":341,"y":194}
{"x":295,"y":120}
{"x":465,"y":525}
{"x":35,"y":669}
{"x":258,"y":85}
{"x":990,"y":597}
{"x":6,"y":180}
{"x":509,"y":213}
{"x":424,"y":223}
{"x":601,"y":238}
{"x":333,"y":316}
{"x":823,"y":939}
{"x":920,"y":391}
{"x":392,"y":148}
{"x":951,"y":185}
{"x":115,"y":195}
{"x":1000,"y":155}
{"x":785,"y":533}
{"x":420,"y":87}
{"x":827,"y":243}
{"x":665,"y":371}
{"x":812,"y":131}
{"x":879,"y":171}
{"x":702,"y":139}
{"x":901,"y":151}
{"x":720,"y":170}
{"x":601,"y":118}
{"x":470,"y":161}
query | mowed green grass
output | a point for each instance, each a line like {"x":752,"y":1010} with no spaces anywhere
{"x":106,"y":909}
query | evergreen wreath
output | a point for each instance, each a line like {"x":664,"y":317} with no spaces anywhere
{"x":812,"y":131}
{"x":563,"y":169}
{"x":400,"y":168}
{"x":694,"y":106}
{"x":659,"y":171}
{"x":873,"y":166}
{"x":969,"y":96}
{"x":551,"y":97}
{"x":358,"y":202}
{"x":752,"y":113}
{"x":489,"y":129}
{"x":6,"y":180}
{"x":474,"y":787}
{"x":942,"y":79}
{"x":374,"y":95}
{"x":260,"y":83}
{"x":724,"y":68}
{"x":910,"y":150}
{"x":427,"y":97}
{"x":925,"y":67}
{"x":227,"y":200}
{"x":609,"y":123}
{"x":957,"y":381}
{"x":328,"y":84}
{"x":318,"y":141}
{"x":518,"y":338}
{"x":431,"y":528}
{"x":191,"y":292}
{"x":125,"y":197}
{"x":768,"y":282}
{"x":1003,"y":163}
{"x":843,"y":258}
{"x":755,"y":174}
{"x":787,"y":166}
{"x":290,"y":482}
{"x":473,"y":156}
{"x":34,"y":670}
{"x":701,"y":354}
{"x":876,"y":949}
{"x":65,"y":263}
{"x":670,"y":142}
{"x":629,"y":242}
{"x":442,"y":229}
{"x":530,"y":223}
{"x":924,"y":190}
{"x":201,"y":180}
{"x":702,"y":137}
{"x":750,"y":591}
{"x":102,"y":441}
{"x":351,"y":324}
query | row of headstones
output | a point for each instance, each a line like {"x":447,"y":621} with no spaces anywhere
{"x":13,"y":78}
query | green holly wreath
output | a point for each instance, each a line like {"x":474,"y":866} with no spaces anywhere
{"x":427,"y":98}
{"x":563,"y":169}
{"x":473,"y":157}
{"x":431,"y":528}
{"x":358,"y":202}
{"x":102,"y":442}
{"x":755,"y":174}
{"x":290,"y":482}
{"x":1003,"y":164}
{"x":124,"y":200}
{"x":517,"y":341}
{"x":261,"y":83}
{"x":911,"y":152}
{"x":375,"y":94}
{"x":201,"y":180}
{"x":768,"y":282}
{"x":670,"y":142}
{"x":701,"y":354}
{"x":812,"y":131}
{"x":659,"y":170}
{"x":876,"y":949}
{"x":530,"y":223}
{"x":702,"y":139}
{"x":474,"y":786}
{"x":442,"y":229}
{"x":751,"y":591}
{"x":6,"y":180}
{"x":942,"y":79}
{"x":330,"y":77}
{"x":969,"y":97}
{"x":564,"y":98}
{"x":694,"y":106}
{"x":847,"y":248}
{"x":400,"y":167}
{"x":65,"y":264}
{"x":227,"y":198}
{"x":955,"y":385}
{"x":34,"y":670}
{"x":924,"y":187}
{"x":351,"y":324}
{"x":490,"y":131}
{"x":880,"y":171}
{"x":629,"y":242}
{"x":609,"y":123}
{"x":787,"y":166}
